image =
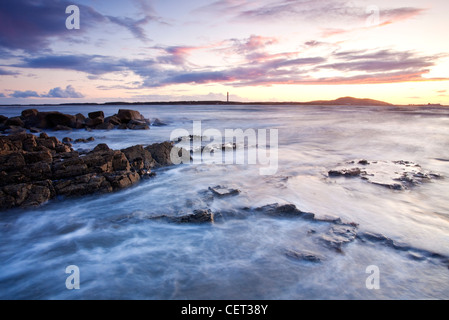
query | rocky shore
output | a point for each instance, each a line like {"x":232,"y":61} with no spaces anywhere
{"x":36,"y":169}
{"x":36,"y":121}
{"x":396,"y":175}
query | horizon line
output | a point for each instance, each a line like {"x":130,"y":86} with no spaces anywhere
{"x":220,"y":102}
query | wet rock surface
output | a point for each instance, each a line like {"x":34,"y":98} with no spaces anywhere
{"x":36,"y":169}
{"x":395,"y":175}
{"x":331,"y":234}
{"x":284,"y":211}
{"x":222,"y":192}
{"x":412,"y":252}
{"x":158,"y":123}
{"x":34,"y":121}
{"x":197,"y":217}
{"x":305,"y":256}
{"x":338,"y":236}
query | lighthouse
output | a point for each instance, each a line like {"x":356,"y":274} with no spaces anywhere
{"x":228,"y":98}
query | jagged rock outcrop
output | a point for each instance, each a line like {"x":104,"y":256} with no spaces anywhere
{"x":161,"y":152}
{"x":34,"y":121}
{"x":197,"y":217}
{"x":395,"y":175}
{"x":36,"y":169}
{"x":285,"y":211}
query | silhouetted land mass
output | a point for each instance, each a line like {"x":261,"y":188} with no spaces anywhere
{"x":345,"y":101}
{"x":351,"y":101}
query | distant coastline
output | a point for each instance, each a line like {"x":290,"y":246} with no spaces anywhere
{"x":345,"y":101}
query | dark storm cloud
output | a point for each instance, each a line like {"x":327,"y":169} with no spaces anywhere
{"x":31,"y":25}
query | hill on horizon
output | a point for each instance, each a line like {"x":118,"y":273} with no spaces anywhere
{"x":351,"y":101}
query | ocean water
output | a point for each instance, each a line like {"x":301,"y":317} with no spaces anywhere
{"x":122,"y":254}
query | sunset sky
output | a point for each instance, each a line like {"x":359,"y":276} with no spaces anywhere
{"x":264,"y":50}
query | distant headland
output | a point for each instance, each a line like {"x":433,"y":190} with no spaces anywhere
{"x":345,"y":101}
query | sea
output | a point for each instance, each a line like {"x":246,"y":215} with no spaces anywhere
{"x":120,"y":252}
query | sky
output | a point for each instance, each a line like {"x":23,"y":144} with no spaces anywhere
{"x":264,"y":50}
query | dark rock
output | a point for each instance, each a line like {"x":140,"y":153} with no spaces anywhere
{"x":62,"y":128}
{"x":3,"y":119}
{"x":198,"y":217}
{"x":137,"y":125}
{"x":63,"y":148}
{"x":339,"y":235}
{"x":54,"y":119}
{"x":380,"y":238}
{"x":26,"y":195}
{"x":80,"y":119}
{"x":123,"y":126}
{"x":67,"y":140}
{"x":81,"y":140}
{"x":222,"y":216}
{"x":70,"y":168}
{"x":396,"y":175}
{"x":121,"y":180}
{"x":161,"y":153}
{"x":6,"y":201}
{"x":83,"y":185}
{"x":16,"y":122}
{"x":345,"y":173}
{"x":35,"y":130}
{"x":29,"y":113}
{"x":34,"y":170}
{"x":137,"y":122}
{"x":91,"y":123}
{"x":285,"y":211}
{"x":13,"y":177}
{"x":96,"y":114}
{"x":66,"y":155}
{"x":49,"y":142}
{"x":221,"y":192}
{"x":91,"y":139}
{"x":114,"y":120}
{"x":364,"y":162}
{"x":33,"y":119}
{"x":158,"y":123}
{"x":139,"y":158}
{"x":141,"y":127}
{"x":392,"y":186}
{"x":412,"y":253}
{"x":29,"y":141}
{"x":101,"y":147}
{"x":330,"y":219}
{"x":103,"y":159}
{"x":37,"y":171}
{"x":105,"y":126}
{"x":15,"y":130}
{"x":12,"y":161}
{"x":416,"y":256}
{"x":126,"y":116}
{"x":304,"y":256}
{"x":8,"y":145}
{"x":146,"y":174}
{"x":106,"y":162}
{"x":34,"y":157}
